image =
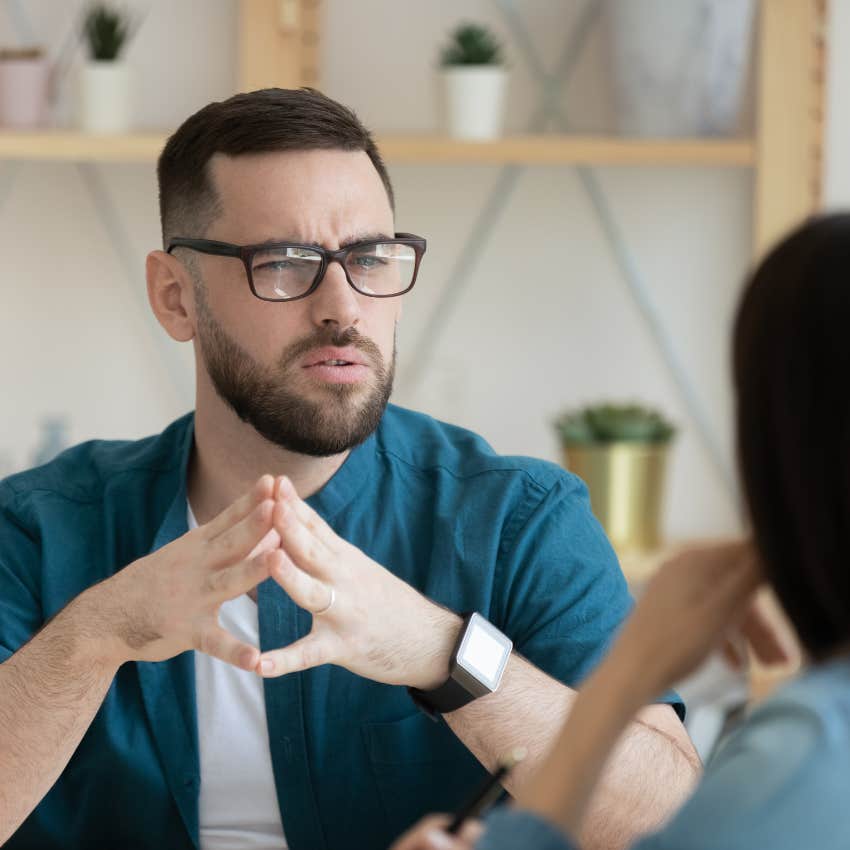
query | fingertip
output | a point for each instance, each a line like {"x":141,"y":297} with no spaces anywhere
{"x":264,"y":487}
{"x":277,"y":481}
{"x":472,"y":831}
{"x":265,"y":667}
{"x":439,"y":840}
{"x":285,"y":489}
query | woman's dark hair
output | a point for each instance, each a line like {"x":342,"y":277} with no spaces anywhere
{"x":256,"y":122}
{"x":791,"y":362}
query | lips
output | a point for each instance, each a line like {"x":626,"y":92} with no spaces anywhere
{"x":334,"y":357}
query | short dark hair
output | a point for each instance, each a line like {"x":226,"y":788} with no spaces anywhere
{"x":255,"y":122}
{"x":791,"y":363}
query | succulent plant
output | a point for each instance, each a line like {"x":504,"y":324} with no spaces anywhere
{"x":471,"y":44}
{"x":106,"y":29}
{"x":609,"y":423}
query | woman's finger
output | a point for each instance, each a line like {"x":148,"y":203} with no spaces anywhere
{"x":766,"y":636}
{"x":430,"y":834}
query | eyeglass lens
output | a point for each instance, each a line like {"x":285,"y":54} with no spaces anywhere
{"x":385,"y":268}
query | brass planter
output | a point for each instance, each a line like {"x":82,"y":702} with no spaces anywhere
{"x":626,"y":483}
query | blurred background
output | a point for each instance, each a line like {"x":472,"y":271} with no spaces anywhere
{"x":587,"y":239}
{"x":556,"y":275}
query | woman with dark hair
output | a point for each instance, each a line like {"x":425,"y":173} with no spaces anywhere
{"x":781,"y":780}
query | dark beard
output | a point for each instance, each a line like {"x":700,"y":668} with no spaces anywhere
{"x":260,"y":397}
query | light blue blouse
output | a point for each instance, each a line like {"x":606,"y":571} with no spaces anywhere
{"x":781,"y":781}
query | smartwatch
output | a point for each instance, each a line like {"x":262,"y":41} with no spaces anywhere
{"x":475,"y":668}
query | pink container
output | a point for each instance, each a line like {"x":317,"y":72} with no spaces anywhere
{"x":23,"y":89}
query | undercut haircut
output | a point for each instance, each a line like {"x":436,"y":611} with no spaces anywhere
{"x":263,"y":121}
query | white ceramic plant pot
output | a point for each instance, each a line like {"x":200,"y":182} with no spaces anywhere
{"x":680,"y":67}
{"x":474,"y":100}
{"x":105,"y":97}
{"x":23,"y":92}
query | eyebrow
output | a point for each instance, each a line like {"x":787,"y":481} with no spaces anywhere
{"x":376,"y":236}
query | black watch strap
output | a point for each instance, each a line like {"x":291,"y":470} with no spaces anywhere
{"x":450,"y":696}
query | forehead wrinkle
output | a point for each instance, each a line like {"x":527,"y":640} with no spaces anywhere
{"x":365,"y":236}
{"x":267,"y":201}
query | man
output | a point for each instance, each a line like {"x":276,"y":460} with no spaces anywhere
{"x":223,"y":663}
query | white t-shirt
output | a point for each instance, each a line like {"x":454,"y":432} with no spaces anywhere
{"x":238,"y":804}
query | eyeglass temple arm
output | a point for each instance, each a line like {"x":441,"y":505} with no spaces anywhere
{"x":206,"y":246}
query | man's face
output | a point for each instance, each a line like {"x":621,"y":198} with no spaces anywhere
{"x":273,"y":363}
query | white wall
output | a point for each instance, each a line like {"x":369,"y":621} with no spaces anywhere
{"x":837,"y":160}
{"x":534,"y":330}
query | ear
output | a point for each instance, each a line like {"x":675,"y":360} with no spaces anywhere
{"x":171,"y":295}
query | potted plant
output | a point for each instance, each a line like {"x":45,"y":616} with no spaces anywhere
{"x":620,"y":450}
{"x":679,"y":69}
{"x":105,"y":82}
{"x":24,"y":77}
{"x":474,"y":82}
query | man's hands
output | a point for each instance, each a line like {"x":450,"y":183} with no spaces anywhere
{"x":168,"y":601}
{"x":378,"y":626}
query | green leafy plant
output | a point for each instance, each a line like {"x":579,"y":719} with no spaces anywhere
{"x":471,"y":44}
{"x":609,"y":423}
{"x":106,"y":29}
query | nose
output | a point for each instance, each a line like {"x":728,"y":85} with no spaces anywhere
{"x":334,"y":301}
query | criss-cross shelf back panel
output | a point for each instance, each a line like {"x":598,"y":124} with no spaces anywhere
{"x":279,"y":45}
{"x":549,"y":149}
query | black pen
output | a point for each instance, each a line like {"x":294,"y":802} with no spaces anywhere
{"x":488,"y":793}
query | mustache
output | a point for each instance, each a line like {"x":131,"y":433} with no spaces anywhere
{"x":333,"y":337}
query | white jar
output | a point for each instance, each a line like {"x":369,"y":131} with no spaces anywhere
{"x":104,"y":97}
{"x":474,"y":100}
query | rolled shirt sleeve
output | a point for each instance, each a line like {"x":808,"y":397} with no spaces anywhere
{"x":563,"y":597}
{"x":20,"y":608}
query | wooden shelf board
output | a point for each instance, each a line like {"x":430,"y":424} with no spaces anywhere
{"x":68,"y":145}
{"x":556,"y":149}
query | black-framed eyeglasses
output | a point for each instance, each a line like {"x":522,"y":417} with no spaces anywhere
{"x":285,"y":271}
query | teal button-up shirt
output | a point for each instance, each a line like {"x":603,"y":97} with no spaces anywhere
{"x":354,"y":761}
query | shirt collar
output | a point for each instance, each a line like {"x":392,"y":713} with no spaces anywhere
{"x":347,"y":482}
{"x":175,"y":522}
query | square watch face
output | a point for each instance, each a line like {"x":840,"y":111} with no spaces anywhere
{"x":484,"y":652}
